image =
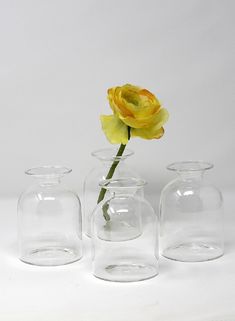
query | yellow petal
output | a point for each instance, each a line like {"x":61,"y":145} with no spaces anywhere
{"x":140,"y":103}
{"x":155,"y":131}
{"x":116,"y":101}
{"x":157,"y":120}
{"x":115,"y":130}
{"x":161,"y":118}
{"x":131,"y":103}
{"x":147,"y":133}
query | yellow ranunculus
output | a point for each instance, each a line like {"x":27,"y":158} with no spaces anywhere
{"x":136,"y":108}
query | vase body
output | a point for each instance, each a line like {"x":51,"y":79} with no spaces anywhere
{"x":125,"y":239}
{"x":91,"y":188}
{"x":191,"y":215}
{"x":49,"y":220}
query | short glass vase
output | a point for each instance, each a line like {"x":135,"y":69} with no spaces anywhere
{"x":49,"y":219}
{"x":191,"y":215}
{"x":124,"y":233}
{"x":91,"y":188}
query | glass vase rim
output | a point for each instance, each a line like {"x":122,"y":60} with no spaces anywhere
{"x":110,"y":154}
{"x":189,"y":166}
{"x":48,"y":171}
{"x":124,"y":183}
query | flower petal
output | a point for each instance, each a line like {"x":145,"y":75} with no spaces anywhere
{"x":155,"y":131}
{"x":157,"y":119}
{"x":116,"y":101}
{"x":161,"y":118}
{"x":115,"y":130}
{"x":147,"y":133}
{"x":137,"y":108}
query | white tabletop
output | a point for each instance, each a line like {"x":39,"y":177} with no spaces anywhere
{"x":181,"y":292}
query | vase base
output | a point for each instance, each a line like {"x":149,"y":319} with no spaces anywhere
{"x":193,"y":252}
{"x":126,"y":272}
{"x":51,"y":256}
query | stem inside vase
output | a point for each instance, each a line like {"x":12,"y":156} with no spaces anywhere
{"x":110,"y":175}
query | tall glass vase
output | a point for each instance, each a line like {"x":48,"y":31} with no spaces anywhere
{"x":91,"y":188}
{"x":49,"y":219}
{"x":191,"y":211}
{"x":124,"y":233}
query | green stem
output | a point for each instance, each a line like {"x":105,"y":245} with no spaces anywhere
{"x":110,"y":175}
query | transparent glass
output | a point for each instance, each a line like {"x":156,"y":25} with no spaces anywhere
{"x":91,"y":188}
{"x":191,"y":215}
{"x":49,"y":219}
{"x":125,"y":239}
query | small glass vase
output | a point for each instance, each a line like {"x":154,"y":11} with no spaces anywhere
{"x":49,"y":220}
{"x":91,"y":188}
{"x":124,"y":233}
{"x":191,"y":215}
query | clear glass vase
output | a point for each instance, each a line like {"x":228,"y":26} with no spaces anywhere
{"x":91,"y":188}
{"x":49,"y":219}
{"x":191,"y":215}
{"x":124,"y":233}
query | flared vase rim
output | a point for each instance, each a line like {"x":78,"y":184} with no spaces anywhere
{"x":189,"y":166}
{"x":124,"y":183}
{"x":48,"y":171}
{"x":110,"y":154}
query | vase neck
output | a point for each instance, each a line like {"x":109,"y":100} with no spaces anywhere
{"x":48,"y":181}
{"x":122,"y":192}
{"x":48,"y":175}
{"x":123,"y":187}
{"x":190,"y":170}
{"x":109,"y":155}
{"x":108,"y":163}
{"x":188,"y":176}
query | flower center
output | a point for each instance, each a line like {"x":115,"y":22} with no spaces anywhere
{"x":132,"y":98}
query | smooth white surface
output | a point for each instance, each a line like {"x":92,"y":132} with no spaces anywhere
{"x":181,"y":292}
{"x":58,"y":58}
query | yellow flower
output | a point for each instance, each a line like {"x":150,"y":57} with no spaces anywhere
{"x":136,"y":108}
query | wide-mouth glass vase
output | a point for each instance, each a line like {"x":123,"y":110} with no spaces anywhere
{"x":91,"y":189}
{"x":49,"y":219}
{"x":191,"y":215}
{"x":124,"y":233}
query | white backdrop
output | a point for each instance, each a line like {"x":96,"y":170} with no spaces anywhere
{"x":57,"y":59}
